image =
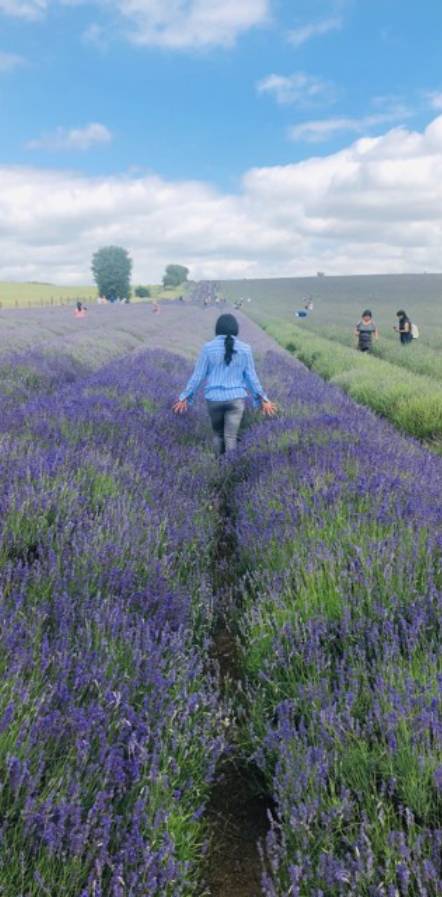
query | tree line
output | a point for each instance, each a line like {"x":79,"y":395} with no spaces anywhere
{"x":112,"y":269}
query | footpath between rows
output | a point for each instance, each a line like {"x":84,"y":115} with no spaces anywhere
{"x":238,"y":812}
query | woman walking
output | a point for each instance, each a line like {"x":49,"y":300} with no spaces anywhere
{"x":227,"y":367}
{"x":404,"y":327}
{"x":365,"y":330}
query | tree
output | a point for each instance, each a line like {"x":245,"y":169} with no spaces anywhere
{"x":175,"y":275}
{"x":111,"y":267}
{"x":142,"y":292}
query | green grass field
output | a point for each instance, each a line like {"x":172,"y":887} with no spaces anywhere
{"x":17,"y":295}
{"x":403,"y":383}
{"x":339,"y":302}
{"x":22,"y":295}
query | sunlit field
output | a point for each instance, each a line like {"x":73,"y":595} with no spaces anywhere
{"x":403,"y":383}
{"x":26,"y":295}
{"x":114,"y":721}
{"x":339,"y":302}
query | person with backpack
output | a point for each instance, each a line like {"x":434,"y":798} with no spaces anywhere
{"x":404,"y":327}
{"x":365,"y":330}
{"x":226,"y":365}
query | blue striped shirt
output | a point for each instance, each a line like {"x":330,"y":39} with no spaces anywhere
{"x":225,"y":382}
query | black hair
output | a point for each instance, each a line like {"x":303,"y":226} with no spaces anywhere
{"x":367,"y":313}
{"x":401,"y":313}
{"x":227,"y":326}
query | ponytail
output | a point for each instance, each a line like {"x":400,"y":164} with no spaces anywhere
{"x":227,"y":326}
{"x":229,"y":343}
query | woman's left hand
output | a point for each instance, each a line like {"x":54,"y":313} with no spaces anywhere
{"x":269,"y":409}
{"x":180,"y":407}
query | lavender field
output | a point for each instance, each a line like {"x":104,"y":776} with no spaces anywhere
{"x":114,"y":721}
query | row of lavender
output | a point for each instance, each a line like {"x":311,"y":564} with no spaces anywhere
{"x":340,"y":520}
{"x":109,"y":723}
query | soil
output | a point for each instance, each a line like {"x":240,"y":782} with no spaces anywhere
{"x":237,"y":814}
{"x":225,"y":655}
{"x":238,"y":821}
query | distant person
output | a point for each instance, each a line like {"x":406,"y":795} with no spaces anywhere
{"x":80,"y":310}
{"x":404,"y":327}
{"x":156,"y":307}
{"x":305,"y":311}
{"x":227,"y":367}
{"x":365,"y":330}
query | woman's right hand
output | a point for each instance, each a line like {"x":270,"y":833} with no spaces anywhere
{"x":180,"y":407}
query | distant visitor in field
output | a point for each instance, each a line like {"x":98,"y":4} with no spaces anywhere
{"x":365,"y":331}
{"x":304,"y":312}
{"x":404,"y":327}
{"x":156,"y":308}
{"x":80,"y":310}
{"x":227,"y":367}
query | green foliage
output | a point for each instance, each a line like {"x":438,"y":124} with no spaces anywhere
{"x":175,"y":275}
{"x":412,"y":401}
{"x":142,"y":292}
{"x":417,"y":356}
{"x":111,"y":267}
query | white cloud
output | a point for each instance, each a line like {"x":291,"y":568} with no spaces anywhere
{"x":177,"y":24}
{"x":23,"y":9}
{"x":299,"y":88}
{"x":314,"y":29}
{"x":375,"y":206}
{"x":73,"y":138}
{"x":322,"y":129}
{"x":434,"y":98}
{"x":96,"y":35}
{"x":10,"y":61}
{"x":183,"y":24}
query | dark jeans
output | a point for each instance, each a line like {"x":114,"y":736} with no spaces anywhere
{"x":226,"y":418}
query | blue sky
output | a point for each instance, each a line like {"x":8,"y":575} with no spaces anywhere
{"x":206,"y":92}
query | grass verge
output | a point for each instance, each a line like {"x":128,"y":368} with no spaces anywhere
{"x":413,"y":402}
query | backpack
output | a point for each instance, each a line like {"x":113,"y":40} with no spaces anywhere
{"x":415,"y":331}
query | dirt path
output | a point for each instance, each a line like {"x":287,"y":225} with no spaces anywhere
{"x":237,"y":815}
{"x":238,"y":821}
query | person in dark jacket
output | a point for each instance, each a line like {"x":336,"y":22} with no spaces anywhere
{"x":403,"y":327}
